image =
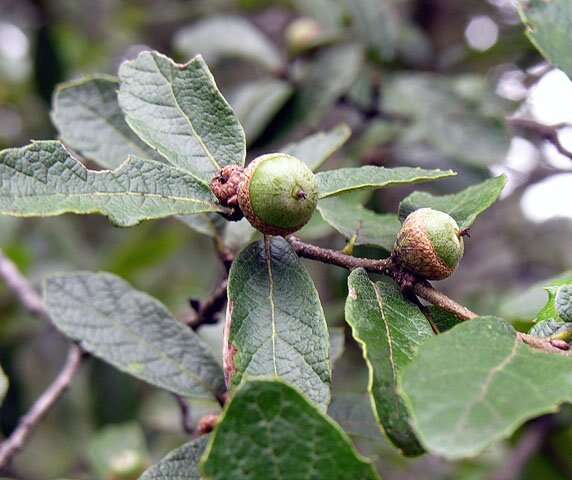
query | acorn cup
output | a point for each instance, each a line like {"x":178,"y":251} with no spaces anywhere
{"x":429,"y":244}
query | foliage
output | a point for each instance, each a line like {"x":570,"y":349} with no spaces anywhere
{"x":260,"y":387}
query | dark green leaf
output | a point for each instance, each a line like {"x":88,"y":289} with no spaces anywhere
{"x":228,"y":36}
{"x":550,"y":29}
{"x":43,"y":179}
{"x":389,"y":329}
{"x":88,"y":118}
{"x":464,"y":206}
{"x":269,"y":430}
{"x":180,"y":464}
{"x":442,"y":319}
{"x":477,"y":383}
{"x":342,"y":180}
{"x":256,"y":103}
{"x":277,"y":326}
{"x":133,"y":332}
{"x":362,"y":226}
{"x":178,"y":110}
{"x":316,"y":149}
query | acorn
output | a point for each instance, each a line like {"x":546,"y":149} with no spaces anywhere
{"x":429,"y":244}
{"x":302,"y":35}
{"x":278,"y":194}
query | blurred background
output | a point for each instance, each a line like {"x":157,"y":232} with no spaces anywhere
{"x":427,"y":83}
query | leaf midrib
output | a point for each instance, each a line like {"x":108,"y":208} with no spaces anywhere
{"x":485,"y":388}
{"x":111,"y":194}
{"x":271,"y":299}
{"x":184,"y":115}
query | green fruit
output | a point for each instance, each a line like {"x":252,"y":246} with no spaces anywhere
{"x":279,"y":194}
{"x":429,"y":244}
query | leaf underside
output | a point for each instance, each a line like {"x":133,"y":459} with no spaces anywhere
{"x":133,"y":332}
{"x":181,"y":464}
{"x":357,"y":223}
{"x":88,"y":118}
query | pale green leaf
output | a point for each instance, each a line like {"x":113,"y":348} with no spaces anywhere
{"x":277,"y":326}
{"x":524,"y":305}
{"x":476,"y":384}
{"x":239,"y":234}
{"x":328,"y":77}
{"x":559,"y":304}
{"x":464,"y":206}
{"x":377,"y":23}
{"x":389,"y":330}
{"x":228,"y":36}
{"x":43,"y":179}
{"x":315,"y":229}
{"x":342,"y":180}
{"x":180,"y":464}
{"x":316,"y":149}
{"x":256,"y":103}
{"x":118,"y":451}
{"x":353,"y":411}
{"x":269,"y":430}
{"x":88,"y":118}
{"x":358,"y":224}
{"x":8,"y":229}
{"x":210,"y":224}
{"x":550,"y":29}
{"x":3,"y":385}
{"x":337,"y":343}
{"x":329,"y":14}
{"x":441,"y":117}
{"x":179,"y":111}
{"x":133,"y":332}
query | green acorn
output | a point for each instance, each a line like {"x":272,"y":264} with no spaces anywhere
{"x":278,"y":194}
{"x":430,"y":244}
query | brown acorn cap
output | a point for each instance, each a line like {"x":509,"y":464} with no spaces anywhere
{"x":414,"y":250}
{"x":429,"y":244}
